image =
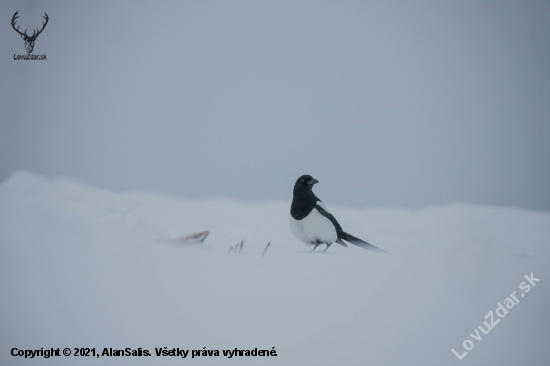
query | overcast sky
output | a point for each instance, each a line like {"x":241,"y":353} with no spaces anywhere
{"x":386,"y":103}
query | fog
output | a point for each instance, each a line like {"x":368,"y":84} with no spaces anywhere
{"x":386,"y":103}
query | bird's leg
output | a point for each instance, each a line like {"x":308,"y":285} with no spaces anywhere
{"x":328,"y":246}
{"x":315,"y":247}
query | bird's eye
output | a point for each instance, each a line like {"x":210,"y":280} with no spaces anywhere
{"x":303,"y":180}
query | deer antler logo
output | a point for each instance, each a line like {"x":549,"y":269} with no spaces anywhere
{"x":29,"y":40}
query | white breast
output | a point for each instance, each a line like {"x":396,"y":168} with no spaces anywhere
{"x":314,"y":228}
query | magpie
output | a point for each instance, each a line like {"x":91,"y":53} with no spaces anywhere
{"x":313,"y":224}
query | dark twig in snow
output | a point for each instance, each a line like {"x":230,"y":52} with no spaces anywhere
{"x":238,"y":247}
{"x":265,"y":250}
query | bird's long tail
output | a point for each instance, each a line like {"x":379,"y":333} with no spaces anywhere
{"x":361,"y":243}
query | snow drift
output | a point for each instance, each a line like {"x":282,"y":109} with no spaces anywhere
{"x":86,"y":268}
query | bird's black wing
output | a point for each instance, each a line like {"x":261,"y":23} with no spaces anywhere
{"x":329,"y":216}
{"x":345,"y":236}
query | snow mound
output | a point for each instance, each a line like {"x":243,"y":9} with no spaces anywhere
{"x":83,"y":267}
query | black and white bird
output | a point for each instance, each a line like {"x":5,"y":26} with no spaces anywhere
{"x":312,"y":223}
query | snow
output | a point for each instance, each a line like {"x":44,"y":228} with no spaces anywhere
{"x":83,"y":267}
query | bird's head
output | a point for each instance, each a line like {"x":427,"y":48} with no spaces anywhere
{"x":304,"y":184}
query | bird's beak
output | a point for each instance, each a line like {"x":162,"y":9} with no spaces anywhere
{"x":312,"y":182}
